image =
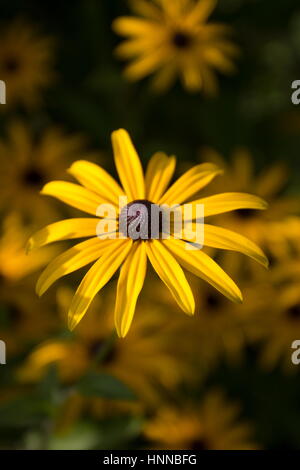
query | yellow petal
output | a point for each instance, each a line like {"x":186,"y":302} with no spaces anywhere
{"x":191,"y":76}
{"x":146,"y":64}
{"x":130,"y":284}
{"x":71,"y":260}
{"x":217,"y":237}
{"x":134,"y":47}
{"x":63,"y":230}
{"x":200,"y":264}
{"x":96,"y":179}
{"x":74,"y":195}
{"x":128,"y":165}
{"x":99,"y":274}
{"x":216,"y":58}
{"x":130,"y":26}
{"x":272,"y":180}
{"x":201,"y":12}
{"x":190,"y":183}
{"x":158,"y":175}
{"x":146,"y":9}
{"x":226,"y":202}
{"x":164,"y":77}
{"x":171,"y":274}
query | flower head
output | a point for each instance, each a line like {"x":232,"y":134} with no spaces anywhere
{"x":28,"y":159}
{"x":173,"y":38}
{"x":149,"y":360}
{"x":212,"y":425}
{"x":25,"y":63}
{"x":110,"y":248}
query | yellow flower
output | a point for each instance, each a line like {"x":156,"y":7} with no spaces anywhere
{"x":269,"y":184}
{"x":149,"y":360}
{"x":26,"y":60}
{"x":21,"y":321}
{"x":124,"y":250}
{"x":28,"y":160}
{"x":214,"y":425}
{"x":276,"y":325}
{"x":14,"y":264}
{"x":173,"y":38}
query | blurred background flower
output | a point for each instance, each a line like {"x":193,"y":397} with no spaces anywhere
{"x":26,"y":62}
{"x":174,"y":39}
{"x":214,"y":425}
{"x":225,"y":378}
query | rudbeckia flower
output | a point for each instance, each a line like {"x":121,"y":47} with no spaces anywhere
{"x":29,"y":159}
{"x":149,"y":360}
{"x":20,"y":320}
{"x":122,"y":249}
{"x":272,"y":229}
{"x":26,"y":63}
{"x":214,"y":424}
{"x":275,"y":326}
{"x":174,"y":38}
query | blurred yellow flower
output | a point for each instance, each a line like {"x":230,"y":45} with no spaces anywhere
{"x":14,"y":263}
{"x":214,"y":425}
{"x":165,"y":255}
{"x":174,"y":38}
{"x":149,"y":360}
{"x":220,"y":330}
{"x":28,"y":161}
{"x":276,"y":325}
{"x":21,"y":318}
{"x":26,"y":63}
{"x":269,"y":184}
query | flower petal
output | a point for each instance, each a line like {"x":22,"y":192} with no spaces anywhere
{"x":71,"y":260}
{"x":190,"y":183}
{"x":158,"y":175}
{"x":74,"y":195}
{"x":200,"y":264}
{"x":171,"y":274}
{"x":218,"y":237}
{"x":130,"y":26}
{"x":201,"y":12}
{"x":128,"y":165}
{"x":226,"y":202}
{"x":130,"y":284}
{"x":63,"y":230}
{"x":96,"y":179}
{"x":99,"y":274}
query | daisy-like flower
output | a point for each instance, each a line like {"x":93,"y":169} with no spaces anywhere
{"x":149,"y":360}
{"x":173,"y":38}
{"x":26,"y":60}
{"x":276,"y":325}
{"x":213,"y":425}
{"x":273,"y":229}
{"x":14,"y":264}
{"x":20,"y":319}
{"x":128,"y":252}
{"x":28,"y":159}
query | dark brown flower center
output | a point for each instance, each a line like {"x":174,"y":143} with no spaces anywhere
{"x":213,"y":301}
{"x":294,"y":312}
{"x":141,"y":220}
{"x":245,"y":214}
{"x":33,"y":177}
{"x":96,"y":347}
{"x":199,"y":444}
{"x":11,"y":65}
{"x":181,"y":40}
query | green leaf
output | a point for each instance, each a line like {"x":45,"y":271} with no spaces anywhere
{"x":104,"y":385}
